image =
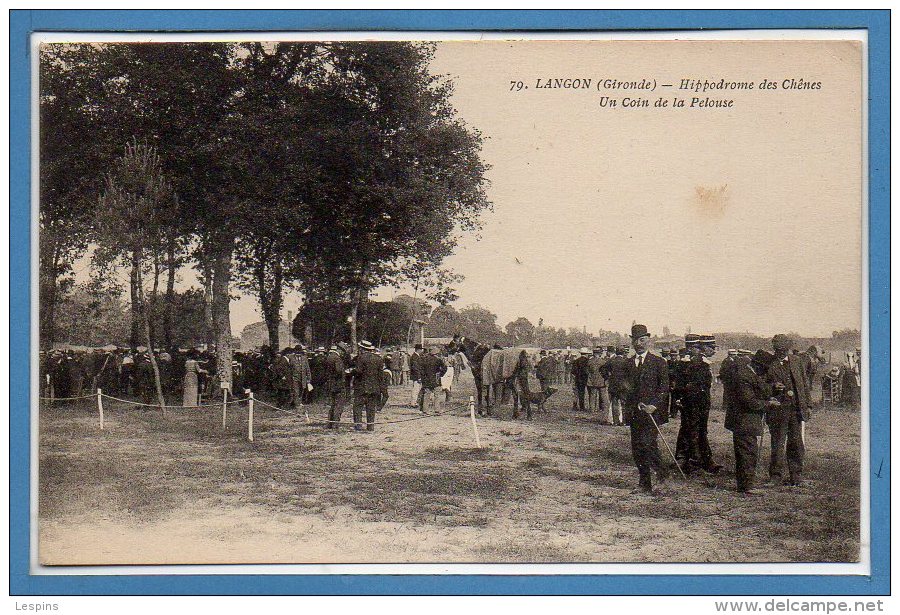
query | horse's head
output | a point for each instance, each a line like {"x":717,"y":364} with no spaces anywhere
{"x":473,"y":350}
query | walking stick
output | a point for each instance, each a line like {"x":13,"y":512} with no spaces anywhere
{"x":668,"y":448}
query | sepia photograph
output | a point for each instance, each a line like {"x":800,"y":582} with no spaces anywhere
{"x":446,"y":300}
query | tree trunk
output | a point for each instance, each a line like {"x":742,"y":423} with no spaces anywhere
{"x":354,"y":312}
{"x":210,"y":332}
{"x":135,"y":317}
{"x":47,"y":301}
{"x":151,"y":304}
{"x":222,"y":308}
{"x":170,"y":292}
{"x":270,"y":295}
{"x":144,"y":317}
{"x":308,"y":321}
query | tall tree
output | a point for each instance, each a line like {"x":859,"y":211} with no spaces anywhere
{"x":70,"y":172}
{"x":400,"y":174}
{"x":136,"y":199}
{"x":520,"y":331}
{"x":276,"y":117}
{"x":483,"y":324}
{"x":97,"y":97}
{"x":176,"y":97}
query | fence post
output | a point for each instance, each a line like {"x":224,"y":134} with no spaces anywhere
{"x":100,"y":406}
{"x":250,"y":419}
{"x":224,"y":405}
{"x":474,"y":424}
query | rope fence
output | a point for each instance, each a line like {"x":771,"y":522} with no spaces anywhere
{"x":251,"y":403}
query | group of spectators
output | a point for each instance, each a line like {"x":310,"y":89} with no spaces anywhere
{"x":288,"y":378}
{"x":760,"y":390}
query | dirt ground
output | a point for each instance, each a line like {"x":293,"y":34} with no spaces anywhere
{"x":178,"y":489}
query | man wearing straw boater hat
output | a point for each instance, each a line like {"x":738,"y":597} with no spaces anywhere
{"x":368,"y":381}
{"x":647,"y":401}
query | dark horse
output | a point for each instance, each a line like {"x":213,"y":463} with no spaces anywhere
{"x":475,"y":352}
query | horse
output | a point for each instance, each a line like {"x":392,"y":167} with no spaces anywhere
{"x":505,"y":370}
{"x":475,"y":353}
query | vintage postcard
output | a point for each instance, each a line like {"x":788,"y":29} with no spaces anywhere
{"x":489,"y":300}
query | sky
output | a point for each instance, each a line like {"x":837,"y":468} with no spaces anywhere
{"x":739,"y":219}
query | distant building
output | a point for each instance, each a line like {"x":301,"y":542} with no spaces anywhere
{"x":256,"y":335}
{"x":437,"y":341}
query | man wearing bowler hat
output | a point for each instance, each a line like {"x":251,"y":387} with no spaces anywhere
{"x":647,"y":395}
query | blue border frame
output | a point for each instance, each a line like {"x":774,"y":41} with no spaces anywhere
{"x":24,"y":22}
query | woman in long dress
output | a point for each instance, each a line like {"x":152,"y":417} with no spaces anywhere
{"x":191,"y":372}
{"x":447,"y":380}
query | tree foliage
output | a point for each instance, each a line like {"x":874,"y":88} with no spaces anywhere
{"x":330,"y":167}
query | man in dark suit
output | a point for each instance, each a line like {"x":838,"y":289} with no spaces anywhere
{"x":750,"y":397}
{"x":647,"y":392}
{"x":673,"y":360}
{"x":368,"y":384}
{"x":284,"y":378}
{"x":596,"y":385}
{"x":545,"y":370}
{"x":433,"y":367}
{"x":787,"y":422}
{"x":695,"y":380}
{"x":415,"y":373}
{"x":580,"y":376}
{"x":334,"y":367}
{"x":616,"y":373}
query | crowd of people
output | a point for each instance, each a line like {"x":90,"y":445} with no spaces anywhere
{"x":626,"y":385}
{"x":637,"y":388}
{"x":288,"y":378}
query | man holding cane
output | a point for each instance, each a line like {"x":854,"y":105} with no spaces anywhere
{"x":647,"y":391}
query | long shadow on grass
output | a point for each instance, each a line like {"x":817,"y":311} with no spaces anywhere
{"x":446,"y":497}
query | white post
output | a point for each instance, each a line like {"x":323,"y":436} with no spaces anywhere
{"x":474,"y":424}
{"x":100,"y":406}
{"x":250,"y":419}
{"x":224,"y":406}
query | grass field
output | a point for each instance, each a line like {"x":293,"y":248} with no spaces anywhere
{"x":179,"y":489}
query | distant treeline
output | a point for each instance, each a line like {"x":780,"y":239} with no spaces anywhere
{"x":94,"y":316}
